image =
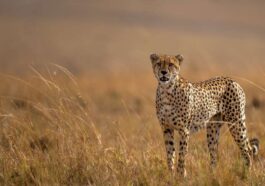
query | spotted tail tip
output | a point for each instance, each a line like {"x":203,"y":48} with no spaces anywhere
{"x":254,"y":142}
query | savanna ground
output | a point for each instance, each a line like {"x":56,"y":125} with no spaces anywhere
{"x":91,"y":119}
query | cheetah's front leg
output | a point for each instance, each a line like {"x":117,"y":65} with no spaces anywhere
{"x":183,"y":149}
{"x":170,"y":148}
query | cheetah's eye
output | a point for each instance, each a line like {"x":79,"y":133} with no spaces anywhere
{"x":171,"y":65}
{"x":158,"y":64}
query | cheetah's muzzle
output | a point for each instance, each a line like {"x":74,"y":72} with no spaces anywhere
{"x":164,"y":79}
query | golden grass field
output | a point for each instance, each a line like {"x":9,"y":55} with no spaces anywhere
{"x":77,"y":93}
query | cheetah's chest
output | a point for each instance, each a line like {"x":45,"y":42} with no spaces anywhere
{"x":167,"y":111}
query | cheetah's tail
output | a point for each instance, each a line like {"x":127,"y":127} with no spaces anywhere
{"x":254,"y":142}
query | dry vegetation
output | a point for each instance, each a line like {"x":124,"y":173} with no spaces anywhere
{"x":61,"y":130}
{"x":98,"y":126}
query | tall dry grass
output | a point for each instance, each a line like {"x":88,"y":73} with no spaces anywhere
{"x":57,"y":129}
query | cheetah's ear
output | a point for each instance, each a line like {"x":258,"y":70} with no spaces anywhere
{"x":154,"y":57}
{"x":179,"y":58}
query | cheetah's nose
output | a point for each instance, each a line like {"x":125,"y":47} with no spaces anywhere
{"x":163,"y":72}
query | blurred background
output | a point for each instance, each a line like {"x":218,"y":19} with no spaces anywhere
{"x":118,"y":35}
{"x":107,"y":44}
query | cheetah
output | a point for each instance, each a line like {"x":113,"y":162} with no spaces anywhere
{"x":187,"y":107}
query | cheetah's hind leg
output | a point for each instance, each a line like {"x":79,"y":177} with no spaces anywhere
{"x":213,"y":132}
{"x":239,"y":133}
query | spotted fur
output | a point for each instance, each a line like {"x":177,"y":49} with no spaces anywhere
{"x":186,"y":107}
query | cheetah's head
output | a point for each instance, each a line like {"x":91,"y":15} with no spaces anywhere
{"x":166,"y":67}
